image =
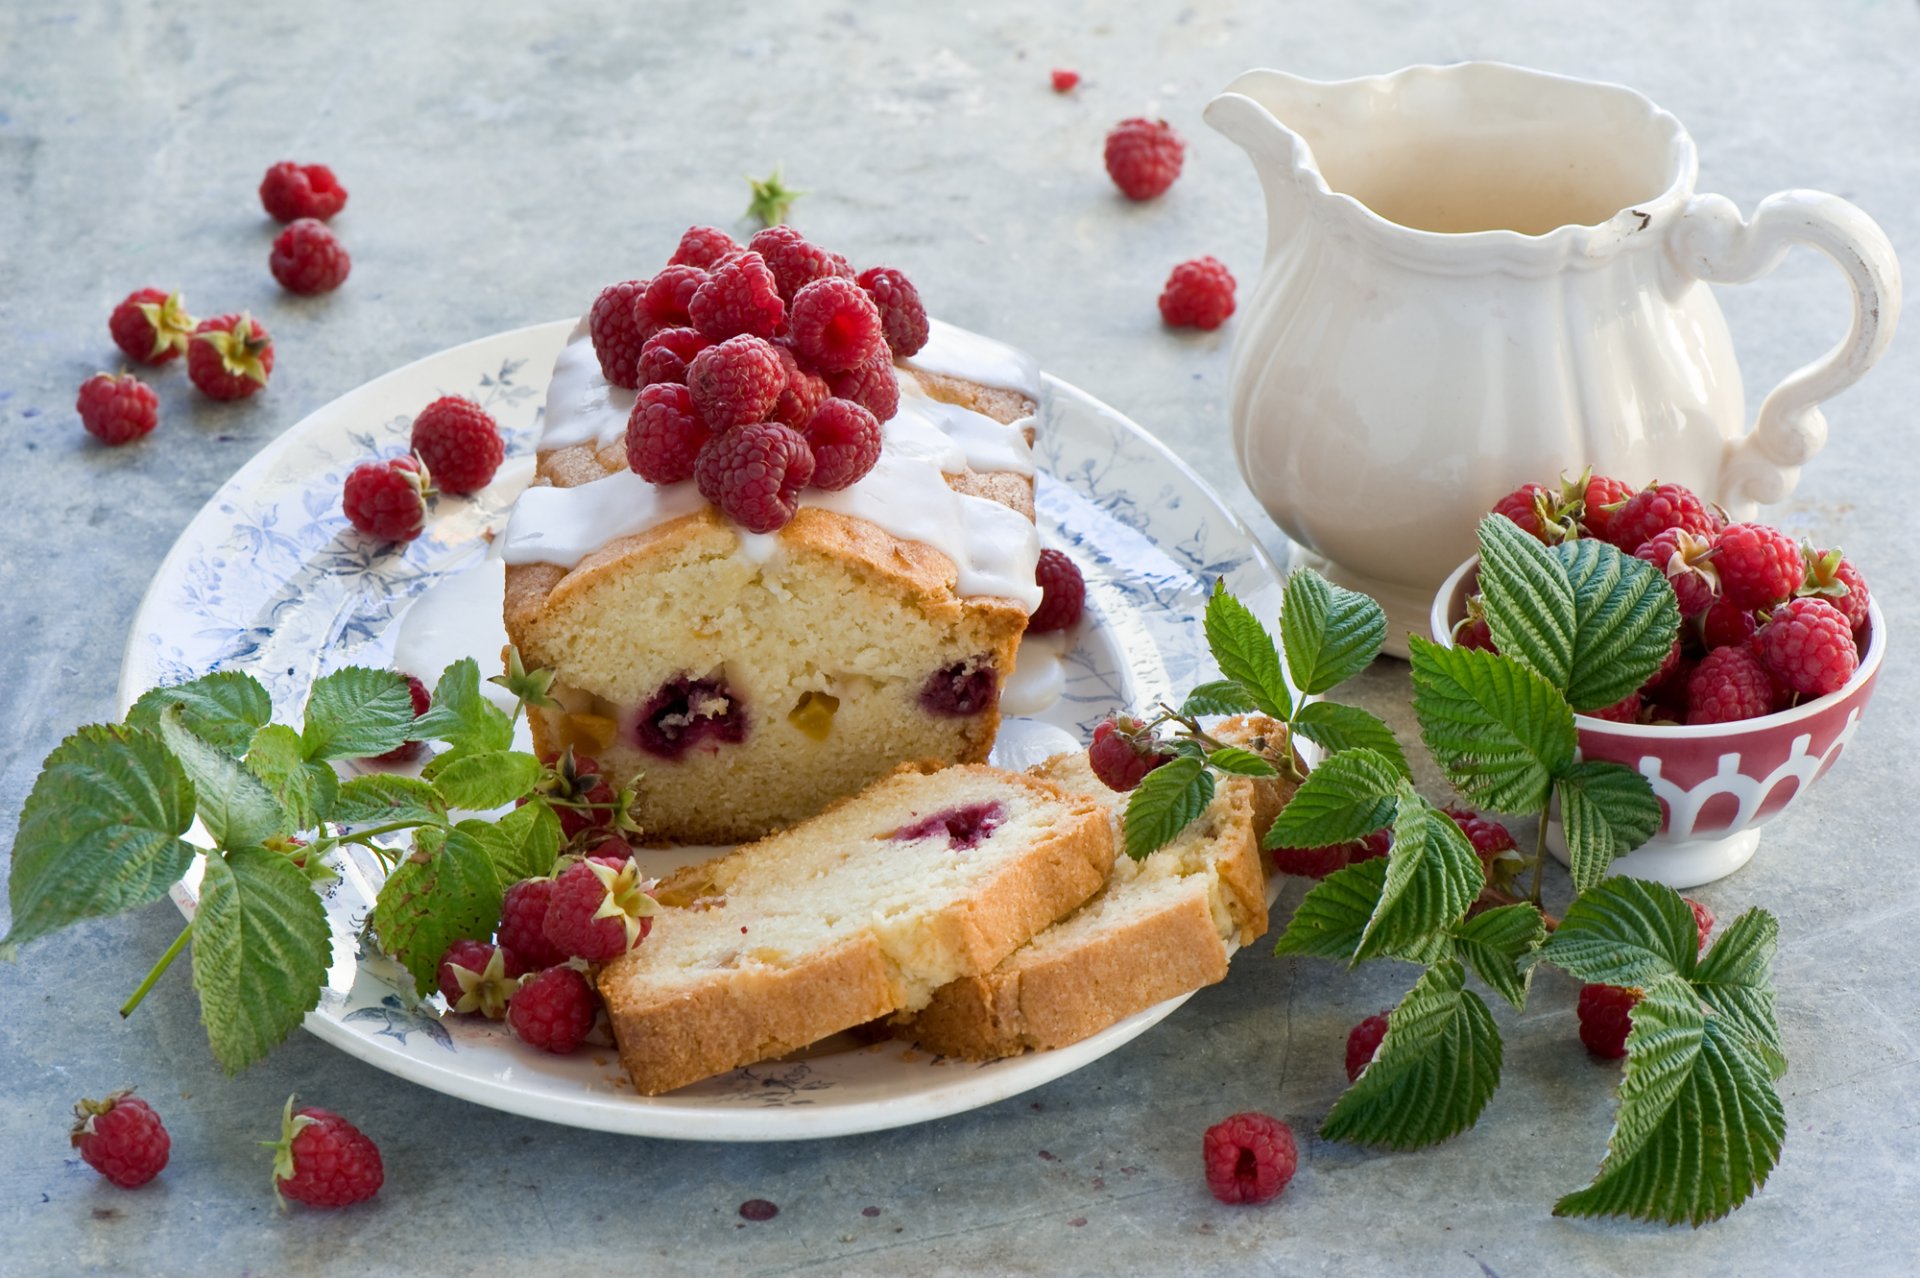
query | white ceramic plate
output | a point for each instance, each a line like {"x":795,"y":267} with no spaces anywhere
{"x":268,"y":578}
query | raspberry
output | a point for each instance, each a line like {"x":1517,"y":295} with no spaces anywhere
{"x":1121,"y":754}
{"x":580,"y":796}
{"x":736,"y":382}
{"x":665,"y":356}
{"x":614,"y":326}
{"x":1606,"y":1018}
{"x":1807,"y":644}
{"x":845,"y":440}
{"x":598,"y":912}
{"x":459,"y":443}
{"x":150,"y":326}
{"x":1363,"y":1040}
{"x":754,"y":474}
{"x":292,"y":191}
{"x":407,"y":751}
{"x":804,"y":393}
{"x":1063,"y":593}
{"x":702,"y":246}
{"x":668,"y":297}
{"x":553,"y":1010}
{"x":795,"y":263}
{"x":1488,"y":836}
{"x":1369,"y":847}
{"x":903,"y":316}
{"x":230,"y":356}
{"x":523,"y":924}
{"x":1726,"y":624}
{"x":1542,"y":514}
{"x":872,"y":384}
{"x":685,"y":713}
{"x":1198,"y":294}
{"x":1312,"y":863}
{"x":1665,"y":694}
{"x":1759,"y":565}
{"x":664,"y":434}
{"x":387,"y":499}
{"x":308,"y":258}
{"x":1598,"y":494}
{"x":117,"y":410}
{"x":1472,"y":630}
{"x":739,"y":297}
{"x":1626,"y":710}
{"x":1728,"y":685}
{"x":963,"y":689}
{"x":1702,"y":918}
{"x":478,"y":977}
{"x":323,"y":1160}
{"x":1829,"y":576}
{"x":1854,"y":602}
{"x":1143,"y":157}
{"x":1691,"y":565}
{"x":1064,"y":81}
{"x":121,"y":1138}
{"x":1655,"y":509}
{"x":612,"y":851}
{"x":1250,"y":1158}
{"x":835,"y":325}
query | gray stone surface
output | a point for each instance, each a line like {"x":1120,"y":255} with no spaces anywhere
{"x":507,"y":160}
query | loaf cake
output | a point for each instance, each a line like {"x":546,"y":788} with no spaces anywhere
{"x":930,"y":875}
{"x":1161,"y":927}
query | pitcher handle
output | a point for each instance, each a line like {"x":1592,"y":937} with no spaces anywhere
{"x":1712,"y":242}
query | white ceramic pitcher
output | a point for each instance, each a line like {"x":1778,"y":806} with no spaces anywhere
{"x":1477,"y":275}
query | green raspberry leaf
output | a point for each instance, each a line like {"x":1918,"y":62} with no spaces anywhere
{"x":1499,"y":731}
{"x":522,"y":844}
{"x":1494,"y":942}
{"x":261,"y":948}
{"x":1245,"y":653}
{"x":1529,"y":600}
{"x":1625,"y":621}
{"x":1625,"y":932}
{"x":1220,"y":696}
{"x":1735,"y":977}
{"x":1607,"y":811}
{"x":1700,"y":1126}
{"x":485,"y":780}
{"x":1433,"y":875}
{"x":381,"y":798}
{"x":100,"y":833}
{"x":306,"y":789}
{"x":356,"y":712}
{"x":1241,"y":763}
{"x":1349,"y":796}
{"x":1433,"y":1074}
{"x":429,"y":903}
{"x":461,"y":716}
{"x":1163,"y":804}
{"x":1337,"y":727}
{"x":223,"y":709}
{"x":1330,"y":633}
{"x":237,"y":809}
{"x":1331,"y":919}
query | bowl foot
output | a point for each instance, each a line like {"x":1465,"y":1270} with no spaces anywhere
{"x":1408,"y":608}
{"x":1678,"y":863}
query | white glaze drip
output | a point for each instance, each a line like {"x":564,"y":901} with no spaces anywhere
{"x":955,"y":352}
{"x":1039,"y":675}
{"x":582,"y":406}
{"x":978,"y":441}
{"x":564,"y":525}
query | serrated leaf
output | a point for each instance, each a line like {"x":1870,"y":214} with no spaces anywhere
{"x":1735,"y":978}
{"x":1529,"y":600}
{"x":1337,"y":727}
{"x":1433,"y":875}
{"x":1330,"y":919}
{"x":1219,"y":696}
{"x":100,"y":832}
{"x":260,"y":953}
{"x":382,"y":798}
{"x":1433,"y":1073}
{"x":356,"y":712}
{"x":305,"y":788}
{"x":1700,"y":1126}
{"x":462,"y":716}
{"x":1245,"y":653}
{"x":1606,"y":811}
{"x":522,"y":844}
{"x":1349,"y":796}
{"x":1494,"y":942}
{"x":1625,"y":932}
{"x":1330,"y":633}
{"x":427,"y":905}
{"x":1625,"y":621}
{"x":1241,"y":763}
{"x":1499,"y":731}
{"x":486,"y":780}
{"x":235,"y":807}
{"x":224,"y":708}
{"x":1163,"y":804}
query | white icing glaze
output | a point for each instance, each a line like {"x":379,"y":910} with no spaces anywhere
{"x":975,"y":440}
{"x":1039,"y":674}
{"x":564,"y":525}
{"x":955,"y":352}
{"x":1025,"y":742}
{"x":581,"y":404}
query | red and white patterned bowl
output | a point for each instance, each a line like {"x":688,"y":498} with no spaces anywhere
{"x":1718,"y":784}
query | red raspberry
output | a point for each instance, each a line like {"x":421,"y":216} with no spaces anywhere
{"x":1472,"y":630}
{"x":702,"y":246}
{"x":668,"y":298}
{"x":1606,"y":1017}
{"x":478,"y":977}
{"x":407,"y":751}
{"x":1854,"y":603}
{"x":1726,"y":624}
{"x":117,"y":410}
{"x":612,"y":851}
{"x":292,"y":191}
{"x":1363,"y":1040}
{"x":739,"y":297}
{"x":1691,"y":566}
{"x":795,"y":263}
{"x":903,"y":316}
{"x":1250,"y":1158}
{"x":1829,"y":576}
{"x":1370,"y":847}
{"x":872,"y":384}
{"x":1655,"y":509}
{"x":614,"y":326}
{"x":1542,"y":514}
{"x":459,"y":442}
{"x":1626,"y":710}
{"x":802,"y":395}
{"x":1064,"y":80}
{"x":1727,"y":686}
{"x":665,"y":356}
{"x":230,"y":356}
{"x":121,"y":1138}
{"x":1759,"y":565}
{"x":1807,"y":644}
{"x":1488,"y":836}
{"x":553,"y":1010}
{"x":576,"y":781}
{"x":1144,"y":157}
{"x":1665,"y":694}
{"x":323,"y":1160}
{"x":1313,"y":863}
{"x":1121,"y":755}
{"x":598,"y":911}
{"x":1198,"y":294}
{"x":1596,"y":498}
{"x":308,"y":258}
{"x":150,"y":326}
{"x":1702,"y":918}
{"x":1063,"y":593}
{"x":736,"y":382}
{"x":754,"y":474}
{"x":665,"y":434}
{"x":387,"y":499}
{"x":834,"y":325}
{"x":523,"y":924}
{"x":845,"y":441}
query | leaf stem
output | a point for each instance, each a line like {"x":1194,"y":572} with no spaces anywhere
{"x":1539,"y":859}
{"x":158,"y":970}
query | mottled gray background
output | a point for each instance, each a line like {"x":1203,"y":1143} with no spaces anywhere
{"x":507,"y":160}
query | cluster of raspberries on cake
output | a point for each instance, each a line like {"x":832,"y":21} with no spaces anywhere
{"x":1765,"y":622}
{"x":761,"y":371}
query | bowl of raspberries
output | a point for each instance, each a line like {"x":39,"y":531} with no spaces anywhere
{"x":1773,"y":662}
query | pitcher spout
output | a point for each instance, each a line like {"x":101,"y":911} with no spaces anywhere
{"x":1268,"y":115}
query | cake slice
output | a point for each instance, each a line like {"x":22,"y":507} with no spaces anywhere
{"x":1161,"y":927}
{"x":928,"y":876}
